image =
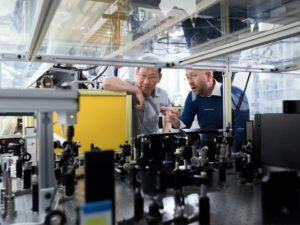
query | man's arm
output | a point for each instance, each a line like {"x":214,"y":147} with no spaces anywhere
{"x":189,"y":111}
{"x":116,"y":84}
{"x":181,"y":120}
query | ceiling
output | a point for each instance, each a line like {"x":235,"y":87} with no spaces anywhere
{"x":250,"y":35}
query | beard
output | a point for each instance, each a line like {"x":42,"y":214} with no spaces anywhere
{"x":200,"y":89}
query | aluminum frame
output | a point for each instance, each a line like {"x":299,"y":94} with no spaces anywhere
{"x":43,"y":103}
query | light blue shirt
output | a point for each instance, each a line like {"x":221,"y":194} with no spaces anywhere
{"x":146,"y":121}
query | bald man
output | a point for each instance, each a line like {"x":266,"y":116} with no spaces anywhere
{"x":205,"y":100}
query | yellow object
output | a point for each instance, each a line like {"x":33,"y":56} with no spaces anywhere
{"x":104,"y":119}
{"x":99,"y":220}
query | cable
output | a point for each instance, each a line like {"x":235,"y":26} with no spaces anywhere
{"x":89,"y":68}
{"x":242,"y":96}
{"x":100,"y":74}
{"x":65,"y":67}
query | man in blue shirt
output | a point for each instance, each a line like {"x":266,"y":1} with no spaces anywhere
{"x":206,"y":101}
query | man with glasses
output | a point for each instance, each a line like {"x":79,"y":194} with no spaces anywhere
{"x":147,"y":98}
{"x":206,"y":102}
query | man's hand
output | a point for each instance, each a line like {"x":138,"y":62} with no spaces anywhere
{"x":140,"y":100}
{"x":171,"y":116}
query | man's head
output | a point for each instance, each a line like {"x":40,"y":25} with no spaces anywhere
{"x":147,"y":79}
{"x":201,"y":81}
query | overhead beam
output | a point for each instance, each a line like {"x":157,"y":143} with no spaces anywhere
{"x":143,"y":63}
{"x":42,"y":22}
{"x":95,"y":61}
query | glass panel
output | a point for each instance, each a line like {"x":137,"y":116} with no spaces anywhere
{"x":238,"y":20}
{"x":266,"y":91}
{"x":283,"y":54}
{"x":21,"y":74}
{"x":279,"y":56}
{"x":219,"y":24}
{"x":98,"y":29}
{"x":80,"y":28}
{"x":163,"y":29}
{"x":16,"y":21}
{"x":271,"y":89}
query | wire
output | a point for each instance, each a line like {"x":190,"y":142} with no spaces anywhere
{"x":75,"y":68}
{"x":100,"y":74}
{"x":242,"y":96}
{"x":89,"y":68}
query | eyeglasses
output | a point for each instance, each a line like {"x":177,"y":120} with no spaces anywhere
{"x":151,"y":77}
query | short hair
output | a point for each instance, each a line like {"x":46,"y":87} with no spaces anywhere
{"x":158,"y":69}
